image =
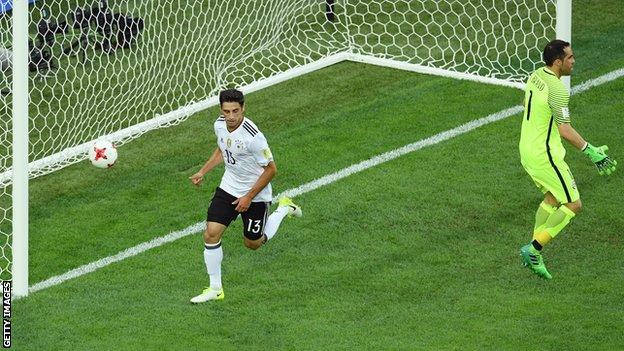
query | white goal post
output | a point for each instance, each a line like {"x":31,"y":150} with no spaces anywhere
{"x":118,"y":69}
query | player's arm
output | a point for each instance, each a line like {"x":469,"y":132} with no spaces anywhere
{"x":571,"y":135}
{"x":215,"y":159}
{"x":243,"y":203}
{"x":597,"y":155}
{"x":558,"y":101}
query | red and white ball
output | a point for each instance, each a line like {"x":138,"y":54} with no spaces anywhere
{"x":103,"y":154}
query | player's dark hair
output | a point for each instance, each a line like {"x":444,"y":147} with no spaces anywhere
{"x":231,"y":95}
{"x":554,"y":51}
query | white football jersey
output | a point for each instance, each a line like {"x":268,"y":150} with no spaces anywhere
{"x":245,"y":151}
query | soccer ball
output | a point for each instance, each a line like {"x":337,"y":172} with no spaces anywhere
{"x":103,"y":154}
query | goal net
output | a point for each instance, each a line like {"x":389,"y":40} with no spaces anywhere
{"x":121,"y":68}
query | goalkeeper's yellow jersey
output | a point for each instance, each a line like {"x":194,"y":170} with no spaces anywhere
{"x":545,"y":107}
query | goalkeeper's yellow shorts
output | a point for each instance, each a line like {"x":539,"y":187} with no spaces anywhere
{"x":557,"y":179}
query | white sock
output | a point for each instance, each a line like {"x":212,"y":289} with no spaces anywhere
{"x":274,"y":221}
{"x":213,"y":255}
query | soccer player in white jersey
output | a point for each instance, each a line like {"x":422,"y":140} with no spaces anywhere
{"x":245,"y":188}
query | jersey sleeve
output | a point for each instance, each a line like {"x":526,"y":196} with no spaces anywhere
{"x":259,"y":148}
{"x":558,"y":97}
{"x":217,"y":123}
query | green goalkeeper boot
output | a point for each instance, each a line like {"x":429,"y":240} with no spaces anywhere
{"x":533,"y":259}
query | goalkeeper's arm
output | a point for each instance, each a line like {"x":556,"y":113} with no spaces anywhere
{"x":597,"y":155}
{"x":571,"y":135}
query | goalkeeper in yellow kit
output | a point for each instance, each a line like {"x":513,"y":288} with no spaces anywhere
{"x":546,"y":120}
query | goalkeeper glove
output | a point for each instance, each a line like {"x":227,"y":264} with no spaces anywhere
{"x":598,"y":156}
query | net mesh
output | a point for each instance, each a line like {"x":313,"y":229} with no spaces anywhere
{"x":490,"y":38}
